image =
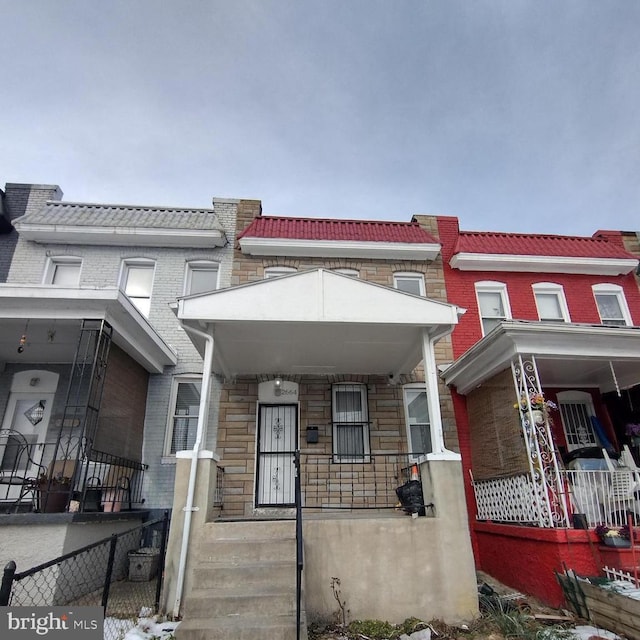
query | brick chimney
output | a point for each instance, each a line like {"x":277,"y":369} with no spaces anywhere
{"x":25,"y":198}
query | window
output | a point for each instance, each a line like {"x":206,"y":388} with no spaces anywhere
{"x":183,"y":416}
{"x":348,"y":272}
{"x":202,"y":276}
{"x":275,"y":272}
{"x":551,"y":303}
{"x":350,"y":423}
{"x":493,"y":304}
{"x":612,"y":305}
{"x":137,"y":283}
{"x":409,"y":282}
{"x":417,"y":414}
{"x":576,"y":409}
{"x":63,"y":271}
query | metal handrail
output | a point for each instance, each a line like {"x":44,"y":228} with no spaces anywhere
{"x":299,"y":543}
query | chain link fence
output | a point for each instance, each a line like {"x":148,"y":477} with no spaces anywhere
{"x":123,"y":574}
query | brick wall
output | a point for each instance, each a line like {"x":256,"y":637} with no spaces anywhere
{"x":238,"y":406}
{"x":238,"y":425}
{"x":18,"y":200}
{"x":124,"y":396}
{"x":577,"y":290}
{"x":631,"y":242}
{"x":101,"y":267}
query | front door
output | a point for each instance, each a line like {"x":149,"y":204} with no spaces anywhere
{"x":27,"y":415}
{"x":277,"y":442}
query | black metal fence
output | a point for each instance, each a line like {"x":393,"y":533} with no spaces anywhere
{"x":123,"y":574}
{"x":368,"y":484}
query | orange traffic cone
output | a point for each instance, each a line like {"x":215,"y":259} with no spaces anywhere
{"x":414,"y":472}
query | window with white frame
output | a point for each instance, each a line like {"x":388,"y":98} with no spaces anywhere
{"x":137,"y":283}
{"x":612,"y":305}
{"x":550,"y":301}
{"x":409,"y":282}
{"x":63,"y":271}
{"x":493,"y":304}
{"x":350,"y":423}
{"x":201,"y":276}
{"x":275,"y":272}
{"x":576,"y":410}
{"x":183,"y":414}
{"x":416,"y":410}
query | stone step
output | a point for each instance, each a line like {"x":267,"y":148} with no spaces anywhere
{"x":211,"y":576}
{"x":202,"y":603}
{"x":240,"y":628}
{"x":250,"y":550}
{"x":247,"y":529}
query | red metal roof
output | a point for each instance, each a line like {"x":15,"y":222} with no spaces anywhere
{"x":334,"y":229}
{"x":537,"y":245}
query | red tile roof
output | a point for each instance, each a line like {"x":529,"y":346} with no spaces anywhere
{"x":334,"y":229}
{"x":537,"y":245}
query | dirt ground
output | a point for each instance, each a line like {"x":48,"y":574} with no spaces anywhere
{"x":484,"y":628}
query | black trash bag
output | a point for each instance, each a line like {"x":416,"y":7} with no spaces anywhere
{"x":411,"y":498}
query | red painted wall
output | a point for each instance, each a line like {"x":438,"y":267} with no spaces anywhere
{"x":525,"y":558}
{"x":577,"y":290}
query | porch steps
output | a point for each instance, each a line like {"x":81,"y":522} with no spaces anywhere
{"x":244,"y":583}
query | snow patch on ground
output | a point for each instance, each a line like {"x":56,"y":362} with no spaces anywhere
{"x":142,"y":629}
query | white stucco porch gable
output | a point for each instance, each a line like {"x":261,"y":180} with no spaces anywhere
{"x":316,"y":321}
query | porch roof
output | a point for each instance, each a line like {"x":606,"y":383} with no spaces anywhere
{"x":576,"y":355}
{"x":59,"y":310}
{"x":316,"y":322}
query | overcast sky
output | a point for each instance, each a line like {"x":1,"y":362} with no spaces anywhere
{"x":511,"y":115}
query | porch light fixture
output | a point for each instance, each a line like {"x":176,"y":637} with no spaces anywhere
{"x":23,"y":338}
{"x":277,"y":386}
{"x":35,"y":414}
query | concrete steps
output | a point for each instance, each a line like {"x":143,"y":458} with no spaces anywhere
{"x":244,"y":583}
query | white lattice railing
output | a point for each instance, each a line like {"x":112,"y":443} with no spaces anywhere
{"x":511,"y":499}
{"x":602,"y":496}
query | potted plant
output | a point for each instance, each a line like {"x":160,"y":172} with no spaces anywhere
{"x":54,"y":492}
{"x":632,"y":429}
{"x":539,"y":406}
{"x":614,"y":536}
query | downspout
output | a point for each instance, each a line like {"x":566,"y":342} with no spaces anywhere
{"x":197,"y":447}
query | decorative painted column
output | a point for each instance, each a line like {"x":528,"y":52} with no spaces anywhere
{"x":547,"y":486}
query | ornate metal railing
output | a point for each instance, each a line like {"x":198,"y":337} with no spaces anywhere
{"x":95,"y":481}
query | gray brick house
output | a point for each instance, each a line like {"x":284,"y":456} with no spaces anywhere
{"x":91,"y":284}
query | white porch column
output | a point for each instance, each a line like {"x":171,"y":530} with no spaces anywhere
{"x":439,"y":451}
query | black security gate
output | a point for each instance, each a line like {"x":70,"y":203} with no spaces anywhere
{"x":277,"y":443}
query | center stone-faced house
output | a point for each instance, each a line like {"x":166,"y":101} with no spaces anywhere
{"x":326,"y":343}
{"x":94,"y":366}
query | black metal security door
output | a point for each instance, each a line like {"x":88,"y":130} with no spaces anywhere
{"x":277,"y":442}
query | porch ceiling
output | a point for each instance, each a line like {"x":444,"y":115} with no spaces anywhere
{"x":567,"y":355}
{"x":54,"y":314}
{"x":315,"y":322}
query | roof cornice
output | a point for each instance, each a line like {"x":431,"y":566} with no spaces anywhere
{"x":338,"y":248}
{"x":121,"y":236}
{"x":542,"y":264}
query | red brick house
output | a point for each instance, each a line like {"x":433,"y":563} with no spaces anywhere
{"x":550,"y":315}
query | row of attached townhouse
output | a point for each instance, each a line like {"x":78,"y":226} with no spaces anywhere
{"x":237,"y":347}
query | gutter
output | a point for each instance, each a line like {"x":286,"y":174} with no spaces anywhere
{"x":197,"y":447}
